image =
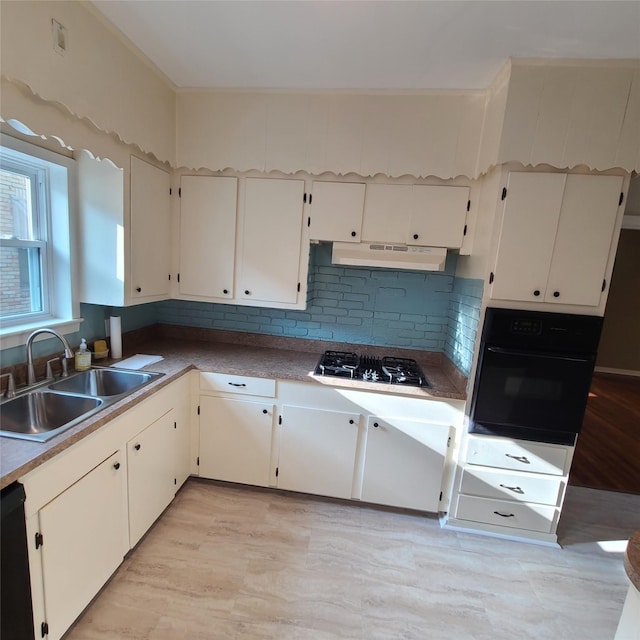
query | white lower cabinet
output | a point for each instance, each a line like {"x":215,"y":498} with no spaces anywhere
{"x":81,"y":542}
{"x":511,"y":487}
{"x":317,"y":451}
{"x":87,"y":506}
{"x":150,"y":472}
{"x":404,"y":462}
{"x":235,"y":440}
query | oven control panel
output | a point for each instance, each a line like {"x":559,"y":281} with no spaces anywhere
{"x":526,"y":327}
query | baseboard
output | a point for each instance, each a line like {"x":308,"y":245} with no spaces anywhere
{"x":620,"y":372}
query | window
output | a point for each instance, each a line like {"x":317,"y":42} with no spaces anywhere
{"x":24,"y":223}
{"x":36,"y":283}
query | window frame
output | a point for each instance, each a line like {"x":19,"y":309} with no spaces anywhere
{"x":56,"y":190}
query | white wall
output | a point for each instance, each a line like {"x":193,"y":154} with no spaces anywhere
{"x":99,"y":78}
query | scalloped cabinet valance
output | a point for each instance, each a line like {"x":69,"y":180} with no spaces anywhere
{"x":562,"y":113}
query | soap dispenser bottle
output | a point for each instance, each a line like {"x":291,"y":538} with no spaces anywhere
{"x":83,"y":357}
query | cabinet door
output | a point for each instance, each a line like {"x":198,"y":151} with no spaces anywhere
{"x":583,"y":242}
{"x":336,"y":211}
{"x":438,"y":215}
{"x":529,"y":226}
{"x":150,"y":230}
{"x":317,"y":451}
{"x":207,"y":236}
{"x":150,"y":466}
{"x":271,"y":240}
{"x":387,"y":212}
{"x":404,"y":462}
{"x":235,"y":440}
{"x":83,"y":541}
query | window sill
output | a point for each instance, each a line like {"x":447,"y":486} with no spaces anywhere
{"x":17,"y":335}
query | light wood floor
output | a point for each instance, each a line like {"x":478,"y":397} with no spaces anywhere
{"x":227,"y":562}
{"x":607,"y":454}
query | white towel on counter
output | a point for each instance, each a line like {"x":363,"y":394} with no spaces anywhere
{"x":137,"y":362}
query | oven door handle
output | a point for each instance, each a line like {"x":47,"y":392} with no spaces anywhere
{"x":535,"y":354}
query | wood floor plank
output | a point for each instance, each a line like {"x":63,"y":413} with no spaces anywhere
{"x":607,"y":454}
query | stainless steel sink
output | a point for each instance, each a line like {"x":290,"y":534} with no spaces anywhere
{"x":103,"y":382}
{"x":48,"y":409}
{"x":40,"y":415}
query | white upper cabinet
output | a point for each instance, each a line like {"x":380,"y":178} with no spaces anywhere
{"x":419,"y":215}
{"x":208,"y":208}
{"x":241,"y":241}
{"x":150,"y":231}
{"x":336,"y":211}
{"x":556,"y":237}
{"x":122,"y":259}
{"x":268,"y":259}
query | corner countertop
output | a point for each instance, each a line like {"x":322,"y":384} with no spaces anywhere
{"x":232,"y":353}
{"x":632,"y":559}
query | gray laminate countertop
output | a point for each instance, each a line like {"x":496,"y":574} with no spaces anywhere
{"x":232,"y":353}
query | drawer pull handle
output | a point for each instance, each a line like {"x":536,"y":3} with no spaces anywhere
{"x":522,"y":459}
{"x":505,"y":515}
{"x":514,"y":489}
{"x":237,"y":384}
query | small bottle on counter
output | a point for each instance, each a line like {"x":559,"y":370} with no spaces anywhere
{"x":83,"y":357}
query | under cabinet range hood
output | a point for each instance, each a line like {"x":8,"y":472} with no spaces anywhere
{"x":389,"y":256}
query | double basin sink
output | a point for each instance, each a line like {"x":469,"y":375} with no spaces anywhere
{"x":49,"y":409}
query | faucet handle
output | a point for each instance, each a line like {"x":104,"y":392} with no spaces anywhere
{"x":49,"y":371}
{"x":11,"y":385}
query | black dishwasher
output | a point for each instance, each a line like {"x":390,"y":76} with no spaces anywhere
{"x":15,"y":584}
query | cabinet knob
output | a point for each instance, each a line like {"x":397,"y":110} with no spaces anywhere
{"x":137,"y":447}
{"x":139,"y":289}
{"x":415,"y":236}
{"x":556,"y":294}
{"x":247,"y":292}
{"x":536,"y":292}
{"x":353,"y":234}
{"x":116,"y":466}
{"x":376,"y":425}
{"x":264,"y":411}
{"x":225,"y":291}
{"x":350,"y":421}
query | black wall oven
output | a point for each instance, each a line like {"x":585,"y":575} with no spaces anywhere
{"x":534,"y":373}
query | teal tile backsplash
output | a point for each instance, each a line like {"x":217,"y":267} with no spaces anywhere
{"x":412,"y":309}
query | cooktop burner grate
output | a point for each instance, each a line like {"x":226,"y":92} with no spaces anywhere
{"x":389,"y":370}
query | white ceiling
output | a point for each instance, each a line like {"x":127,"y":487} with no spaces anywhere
{"x":364,"y":44}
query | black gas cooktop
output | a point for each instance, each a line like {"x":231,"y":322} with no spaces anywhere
{"x":389,"y":370}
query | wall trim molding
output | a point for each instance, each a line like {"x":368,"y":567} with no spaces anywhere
{"x":620,"y":372}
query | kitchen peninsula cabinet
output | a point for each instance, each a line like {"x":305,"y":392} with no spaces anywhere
{"x":336,"y":211}
{"x":208,"y":208}
{"x":124,"y":249}
{"x":404,"y":462}
{"x":81,"y":542}
{"x":556,"y":237}
{"x":317,"y":452}
{"x":421,"y":215}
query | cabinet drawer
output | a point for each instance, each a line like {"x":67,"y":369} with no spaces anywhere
{"x":238,"y":384}
{"x":517,"y":454}
{"x":516,"y":515}
{"x":523,"y":487}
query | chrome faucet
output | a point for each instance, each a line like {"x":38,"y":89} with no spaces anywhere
{"x":68,"y":353}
